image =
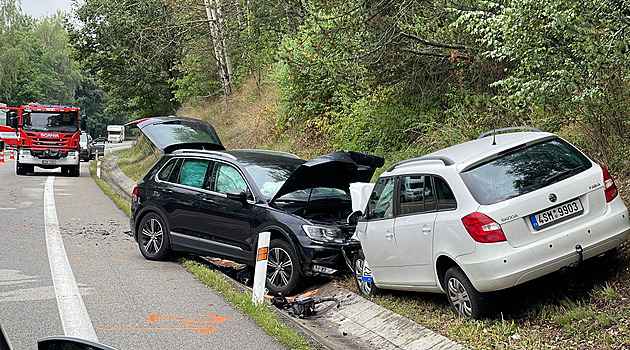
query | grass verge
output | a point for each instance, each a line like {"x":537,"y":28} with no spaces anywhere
{"x":261,"y":314}
{"x":121,"y":203}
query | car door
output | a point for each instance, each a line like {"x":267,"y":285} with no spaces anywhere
{"x":226,"y":224}
{"x":180,"y":184}
{"x":414,"y":229}
{"x":376,"y":233}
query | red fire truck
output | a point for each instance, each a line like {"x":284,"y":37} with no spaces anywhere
{"x":46,"y":136}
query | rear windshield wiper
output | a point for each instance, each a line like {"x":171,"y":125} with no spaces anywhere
{"x":546,"y":181}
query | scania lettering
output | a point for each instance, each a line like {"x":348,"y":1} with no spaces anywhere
{"x":46,"y":136}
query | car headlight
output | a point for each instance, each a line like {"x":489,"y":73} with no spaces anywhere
{"x":324,"y":234}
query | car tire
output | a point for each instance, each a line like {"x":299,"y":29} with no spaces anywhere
{"x":75,"y":171}
{"x":153,"y":238}
{"x":283,"y":268}
{"x":364,"y":287}
{"x":464,"y":299}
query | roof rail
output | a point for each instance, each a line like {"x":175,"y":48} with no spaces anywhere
{"x":515,"y":128}
{"x":207,"y":151}
{"x":446,"y":160}
{"x":268,"y":151}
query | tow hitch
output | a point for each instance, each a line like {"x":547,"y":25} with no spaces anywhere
{"x":579,"y":251}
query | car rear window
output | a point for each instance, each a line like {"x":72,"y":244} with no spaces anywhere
{"x":524,"y":169}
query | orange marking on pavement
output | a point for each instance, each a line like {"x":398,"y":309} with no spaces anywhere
{"x":204,"y":329}
{"x":27,"y":228}
{"x":154,"y":318}
{"x":215,"y":318}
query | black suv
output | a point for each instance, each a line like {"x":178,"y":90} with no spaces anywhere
{"x":214,"y":202}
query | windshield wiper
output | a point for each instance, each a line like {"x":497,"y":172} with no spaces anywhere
{"x":546,"y":181}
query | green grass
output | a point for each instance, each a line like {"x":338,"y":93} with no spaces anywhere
{"x":261,"y":314}
{"x":138,"y":159}
{"x":121,"y":203}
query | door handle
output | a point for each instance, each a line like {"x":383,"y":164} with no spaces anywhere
{"x":207,"y":200}
{"x":389,"y":235}
{"x":167,"y":191}
{"x":426,"y":229}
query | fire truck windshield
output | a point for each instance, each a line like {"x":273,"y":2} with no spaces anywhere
{"x":65,"y":122}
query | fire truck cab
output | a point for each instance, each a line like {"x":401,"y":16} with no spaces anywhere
{"x":46,"y":136}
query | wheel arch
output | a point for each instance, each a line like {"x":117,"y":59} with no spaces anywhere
{"x":278,"y":232}
{"x":443,"y":264}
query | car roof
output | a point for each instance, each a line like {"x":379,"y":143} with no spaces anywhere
{"x":246,"y":156}
{"x":466,"y":155}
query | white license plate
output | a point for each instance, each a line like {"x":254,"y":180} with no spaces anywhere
{"x":555,"y":214}
{"x":48,"y":162}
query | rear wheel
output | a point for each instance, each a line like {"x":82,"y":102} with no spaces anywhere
{"x":283,"y":267}
{"x":464,"y":299}
{"x":365,"y":287}
{"x":153,"y":238}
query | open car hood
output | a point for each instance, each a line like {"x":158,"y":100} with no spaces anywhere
{"x":334,"y":170}
{"x":172,"y":133}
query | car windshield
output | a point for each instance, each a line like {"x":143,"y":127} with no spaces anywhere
{"x":270,"y":177}
{"x":65,"y":122}
{"x":523,"y":170}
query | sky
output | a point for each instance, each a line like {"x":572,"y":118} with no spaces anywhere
{"x":42,"y":8}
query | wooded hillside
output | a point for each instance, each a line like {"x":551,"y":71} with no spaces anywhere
{"x":382,"y":76}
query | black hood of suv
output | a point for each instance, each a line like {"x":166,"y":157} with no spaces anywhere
{"x":334,"y":170}
{"x":172,"y":133}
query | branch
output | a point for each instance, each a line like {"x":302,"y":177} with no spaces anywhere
{"x":434,"y":54}
{"x":429,"y":43}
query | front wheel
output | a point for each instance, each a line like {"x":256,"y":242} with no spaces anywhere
{"x":365,"y":287}
{"x":464,"y":299}
{"x":153,"y":238}
{"x":283,"y":268}
{"x":19,"y":168}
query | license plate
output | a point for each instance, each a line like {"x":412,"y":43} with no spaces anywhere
{"x":48,"y":162}
{"x":556,"y":214}
{"x":367,"y":273}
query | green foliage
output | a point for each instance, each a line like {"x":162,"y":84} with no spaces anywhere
{"x":130,"y":46}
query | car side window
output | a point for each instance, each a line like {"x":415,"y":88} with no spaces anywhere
{"x":227,"y":178}
{"x":163,"y":175}
{"x":193,"y":172}
{"x":416,"y":194}
{"x":445,"y":196}
{"x":381,"y":202}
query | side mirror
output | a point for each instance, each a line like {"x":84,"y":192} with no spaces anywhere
{"x":238,"y":195}
{"x":53,"y":343}
{"x":353,"y":218}
{"x":14,"y":122}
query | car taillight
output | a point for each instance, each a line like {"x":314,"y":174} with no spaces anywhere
{"x":483,"y":229}
{"x":134,"y":194}
{"x":610,"y":189}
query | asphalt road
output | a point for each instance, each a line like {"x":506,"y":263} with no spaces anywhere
{"x":106,"y":290}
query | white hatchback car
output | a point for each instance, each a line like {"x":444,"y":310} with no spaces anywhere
{"x":486,"y":215}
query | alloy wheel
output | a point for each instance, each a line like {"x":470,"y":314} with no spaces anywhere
{"x":152,"y":236}
{"x":280,"y":267}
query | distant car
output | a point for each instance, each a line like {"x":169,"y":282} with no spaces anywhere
{"x":202,"y":199}
{"x":486,"y":215}
{"x":84,"y":146}
{"x":97,"y":147}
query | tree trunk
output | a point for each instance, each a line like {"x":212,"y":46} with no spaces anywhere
{"x":220,"y":51}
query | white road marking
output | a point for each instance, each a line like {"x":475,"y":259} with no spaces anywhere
{"x":74,"y":317}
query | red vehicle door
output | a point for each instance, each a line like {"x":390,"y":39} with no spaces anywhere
{"x":9,"y":134}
